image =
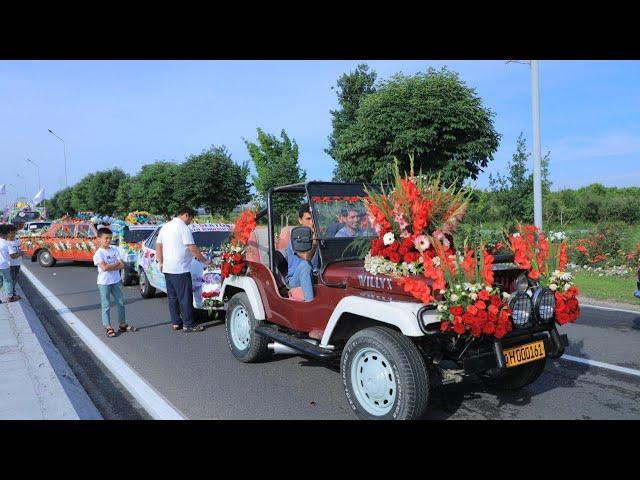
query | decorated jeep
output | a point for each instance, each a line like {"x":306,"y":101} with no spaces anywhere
{"x":206,"y":281}
{"x":394,"y":303}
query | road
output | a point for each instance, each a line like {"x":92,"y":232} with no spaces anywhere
{"x":199,"y":376}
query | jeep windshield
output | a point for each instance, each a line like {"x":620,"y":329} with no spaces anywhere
{"x":138,"y":235}
{"x":207,"y":240}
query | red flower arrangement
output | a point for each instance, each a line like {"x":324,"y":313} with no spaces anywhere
{"x":233,"y":252}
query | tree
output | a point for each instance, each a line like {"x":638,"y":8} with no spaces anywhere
{"x":60,"y":204}
{"x":212,"y":180}
{"x":351,"y":88}
{"x":153,"y":188}
{"x":97,"y":191}
{"x":432,"y":115}
{"x":276,"y":163}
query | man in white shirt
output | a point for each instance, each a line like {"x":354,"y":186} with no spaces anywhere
{"x":6,"y":249}
{"x":175,"y":248}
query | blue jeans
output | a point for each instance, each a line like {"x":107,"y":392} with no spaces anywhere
{"x":15,"y":270}
{"x":637,"y":294}
{"x":180,"y":295}
{"x":303,"y":277}
{"x":6,"y":282}
{"x":116,"y":292}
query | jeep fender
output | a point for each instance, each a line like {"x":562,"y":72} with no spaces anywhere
{"x":403,"y":315}
{"x":249,"y":286}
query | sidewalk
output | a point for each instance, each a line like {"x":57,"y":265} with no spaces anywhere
{"x":32,"y":371}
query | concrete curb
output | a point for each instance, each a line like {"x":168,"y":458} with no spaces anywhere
{"x":30,"y":387}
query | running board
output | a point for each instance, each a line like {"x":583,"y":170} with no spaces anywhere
{"x":295,"y":342}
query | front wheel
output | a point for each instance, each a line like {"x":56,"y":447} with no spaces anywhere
{"x":146,"y":290}
{"x":245,"y":344}
{"x":384,"y":376}
{"x":45,"y":259}
{"x":518,"y":377}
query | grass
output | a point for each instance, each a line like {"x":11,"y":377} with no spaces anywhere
{"x":617,"y":289}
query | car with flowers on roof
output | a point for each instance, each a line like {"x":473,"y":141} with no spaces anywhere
{"x":65,"y":240}
{"x":128,"y":240}
{"x":206,"y":281}
{"x":395,"y":305}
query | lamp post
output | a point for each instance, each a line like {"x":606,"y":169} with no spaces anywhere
{"x":37,"y":170}
{"x":64,"y":145}
{"x":535,"y":116}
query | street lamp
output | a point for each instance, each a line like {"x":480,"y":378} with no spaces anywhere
{"x":64,"y":145}
{"x":37,"y":169}
{"x":535,"y":116}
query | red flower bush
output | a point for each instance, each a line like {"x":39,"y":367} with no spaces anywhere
{"x":233,"y":252}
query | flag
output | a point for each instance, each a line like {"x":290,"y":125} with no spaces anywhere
{"x":39,"y":196}
{"x":3,"y":189}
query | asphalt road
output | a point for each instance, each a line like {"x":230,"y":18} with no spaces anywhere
{"x":198,"y":374}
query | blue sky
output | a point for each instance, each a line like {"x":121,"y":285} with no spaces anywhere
{"x":128,"y":113}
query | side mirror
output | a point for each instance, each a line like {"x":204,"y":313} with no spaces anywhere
{"x":301,"y":239}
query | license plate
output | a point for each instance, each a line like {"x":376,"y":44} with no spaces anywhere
{"x":529,"y":352}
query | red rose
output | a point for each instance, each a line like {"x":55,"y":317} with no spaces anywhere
{"x":394,"y":257}
{"x":493,"y":309}
{"x":237,"y":268}
{"x":444,"y":326}
{"x":484,"y":295}
{"x":496,"y":301}
{"x":237,"y":257}
{"x":489,"y":328}
{"x":226,"y":268}
{"x":456,"y":310}
{"x":472,"y":310}
{"x":480,"y":305}
{"x":459,"y":328}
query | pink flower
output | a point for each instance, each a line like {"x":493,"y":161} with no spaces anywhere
{"x":421,"y":243}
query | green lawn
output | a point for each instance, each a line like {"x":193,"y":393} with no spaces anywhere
{"x":617,"y":289}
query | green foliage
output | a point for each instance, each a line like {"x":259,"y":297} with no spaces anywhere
{"x":212,"y":180}
{"x":97,"y":191}
{"x":276,"y":163}
{"x":60,"y":204}
{"x":619,"y":289}
{"x":154,"y":189}
{"x":433,"y":116}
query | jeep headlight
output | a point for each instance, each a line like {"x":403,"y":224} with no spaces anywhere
{"x":520,"y":305}
{"x":544,"y":302}
{"x":428,"y":319}
{"x":522,"y":283}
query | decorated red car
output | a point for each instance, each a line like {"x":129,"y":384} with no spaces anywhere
{"x":394,"y":303}
{"x":64,"y":240}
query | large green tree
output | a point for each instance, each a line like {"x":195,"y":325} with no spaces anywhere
{"x":276,"y":164}
{"x":153,"y":188}
{"x":351,"y":88}
{"x":97,"y":191}
{"x":212,"y":180}
{"x":434,"y":116}
{"x":60,"y":204}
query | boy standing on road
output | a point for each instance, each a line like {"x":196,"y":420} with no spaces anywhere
{"x":109,"y":285}
{"x":6,"y":255}
{"x":15,"y":262}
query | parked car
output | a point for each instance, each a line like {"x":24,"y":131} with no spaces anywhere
{"x":128,"y":241}
{"x":387,"y":343}
{"x":62,"y":241}
{"x":208,"y":237}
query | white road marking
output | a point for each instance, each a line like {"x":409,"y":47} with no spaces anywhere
{"x":637,"y":312}
{"x":608,"y":366}
{"x":151,"y":400}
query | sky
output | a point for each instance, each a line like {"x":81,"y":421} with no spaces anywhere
{"x":129,"y":113}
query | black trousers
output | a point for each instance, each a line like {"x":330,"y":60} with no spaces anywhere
{"x":180,"y":295}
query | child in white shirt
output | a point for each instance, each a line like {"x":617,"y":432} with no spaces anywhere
{"x":6,"y":255}
{"x":109,"y":284}
{"x":15,"y":262}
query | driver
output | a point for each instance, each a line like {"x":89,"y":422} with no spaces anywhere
{"x":350,"y":228}
{"x":301,"y":265}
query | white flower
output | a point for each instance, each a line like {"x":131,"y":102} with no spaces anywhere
{"x":566,"y":276}
{"x":421,"y":243}
{"x":435,"y":261}
{"x":443,"y":292}
{"x":553,"y":287}
{"x":467,"y":286}
{"x":474,"y":296}
{"x":516,"y":235}
{"x":566,"y":287}
{"x":454,"y":298}
{"x":506,"y":296}
{"x":388,"y":238}
{"x":441,"y":307}
{"x":488,"y":288}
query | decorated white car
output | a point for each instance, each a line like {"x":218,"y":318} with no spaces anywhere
{"x":206,"y":281}
{"x":128,"y":240}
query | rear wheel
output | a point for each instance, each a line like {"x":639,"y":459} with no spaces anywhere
{"x":245,"y":344}
{"x":517,"y":377}
{"x":146,"y":290}
{"x":384,"y":376}
{"x":45,"y":259}
{"x":127,"y":278}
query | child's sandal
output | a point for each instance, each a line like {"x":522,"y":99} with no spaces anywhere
{"x":110,"y":332}
{"x":127,"y":328}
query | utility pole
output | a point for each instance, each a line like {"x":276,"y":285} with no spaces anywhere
{"x":64,"y":146}
{"x":537,"y":171}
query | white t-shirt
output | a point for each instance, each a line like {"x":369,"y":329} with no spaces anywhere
{"x":107,"y":255}
{"x":174,"y":237}
{"x":14,"y":247}
{"x":5,"y":259}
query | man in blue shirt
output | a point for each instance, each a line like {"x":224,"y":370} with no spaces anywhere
{"x":350,"y":228}
{"x":301,"y":265}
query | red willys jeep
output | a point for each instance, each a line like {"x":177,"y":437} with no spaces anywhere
{"x":389,"y":345}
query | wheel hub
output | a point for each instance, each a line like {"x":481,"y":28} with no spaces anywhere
{"x":240,"y":328}
{"x":373,"y":381}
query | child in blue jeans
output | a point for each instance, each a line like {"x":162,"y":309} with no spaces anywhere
{"x":109,"y":284}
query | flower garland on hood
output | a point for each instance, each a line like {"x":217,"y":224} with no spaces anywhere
{"x":546,"y":260}
{"x":234,"y":251}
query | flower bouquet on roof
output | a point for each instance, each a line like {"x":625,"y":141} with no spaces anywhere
{"x":546,"y":260}
{"x":142,"y":217}
{"x":234,"y":251}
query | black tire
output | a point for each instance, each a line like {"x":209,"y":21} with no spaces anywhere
{"x":127,"y":278}
{"x":255,"y":346}
{"x":517,"y":377}
{"x":45,"y":259}
{"x":405,"y":363}
{"x":146,"y":290}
